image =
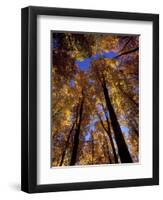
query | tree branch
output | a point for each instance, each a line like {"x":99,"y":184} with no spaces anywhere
{"x":123,"y":48}
{"x":127,"y":52}
{"x":102,"y":122}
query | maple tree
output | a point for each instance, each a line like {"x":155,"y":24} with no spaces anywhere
{"x":95,"y":99}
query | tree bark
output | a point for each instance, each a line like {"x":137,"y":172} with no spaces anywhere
{"x":121,"y":144}
{"x":107,"y":150}
{"x":77,"y":133}
{"x":110,"y":137}
{"x":66,"y":145}
{"x":107,"y":130}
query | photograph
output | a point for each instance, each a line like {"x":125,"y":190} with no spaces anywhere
{"x":94,"y":98}
{"x":90,"y":99}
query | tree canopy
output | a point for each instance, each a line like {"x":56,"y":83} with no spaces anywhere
{"x":95,"y":98}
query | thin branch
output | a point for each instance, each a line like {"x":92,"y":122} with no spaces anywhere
{"x":123,"y":48}
{"x":68,"y":138}
{"x":127,"y":52}
{"x":102,"y":122}
{"x":109,"y":134}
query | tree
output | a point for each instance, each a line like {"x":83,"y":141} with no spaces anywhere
{"x":77,"y":132}
{"x":122,"y":147}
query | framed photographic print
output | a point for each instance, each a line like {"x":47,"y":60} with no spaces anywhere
{"x":90,"y":99}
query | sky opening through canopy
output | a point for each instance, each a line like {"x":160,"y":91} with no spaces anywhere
{"x":85,"y":64}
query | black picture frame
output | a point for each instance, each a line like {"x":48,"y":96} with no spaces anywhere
{"x":29,"y":99}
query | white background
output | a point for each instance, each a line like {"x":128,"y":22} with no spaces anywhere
{"x":10,"y":77}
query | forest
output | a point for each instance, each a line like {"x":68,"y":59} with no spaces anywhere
{"x":94,"y":98}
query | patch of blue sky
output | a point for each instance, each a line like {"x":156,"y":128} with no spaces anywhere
{"x":125,"y":130}
{"x":96,"y":56}
{"x":110,"y":54}
{"x":90,"y":129}
{"x":91,"y":81}
{"x":99,"y":108}
{"x":85,"y":63}
{"x":72,"y":83}
{"x":87,"y":136}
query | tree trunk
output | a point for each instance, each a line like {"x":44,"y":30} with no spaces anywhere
{"x":66,"y":145}
{"x":106,"y":149}
{"x":107,"y":130}
{"x":110,"y":137}
{"x":121,"y":144}
{"x":77,"y":133}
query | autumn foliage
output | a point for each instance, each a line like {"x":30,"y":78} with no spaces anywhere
{"x":94,"y":99}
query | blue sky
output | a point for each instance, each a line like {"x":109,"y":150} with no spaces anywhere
{"x":87,"y":137}
{"x":72,"y":83}
{"x":85,"y":64}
